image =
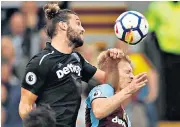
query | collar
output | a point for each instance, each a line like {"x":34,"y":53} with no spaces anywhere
{"x":51,"y":48}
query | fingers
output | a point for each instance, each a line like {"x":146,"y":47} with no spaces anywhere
{"x":143,"y":77}
{"x":142,"y":84}
{"x":113,"y":53}
{"x":135,"y":86}
{"x":120,"y":54}
{"x":140,"y":75}
{"x":116,"y":53}
{"x":138,"y":86}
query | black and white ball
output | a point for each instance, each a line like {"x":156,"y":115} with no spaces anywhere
{"x":131,"y":27}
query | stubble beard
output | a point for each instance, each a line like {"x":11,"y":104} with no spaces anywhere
{"x":74,"y":38}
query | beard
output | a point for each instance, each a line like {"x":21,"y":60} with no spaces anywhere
{"x":74,"y":38}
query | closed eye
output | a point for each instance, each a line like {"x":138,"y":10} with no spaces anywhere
{"x":78,"y":23}
{"x":128,"y":71}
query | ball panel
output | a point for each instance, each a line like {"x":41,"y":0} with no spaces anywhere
{"x":118,"y":30}
{"x":132,"y":36}
{"x":130,"y":21}
{"x":121,"y":16}
{"x":129,"y":36}
{"x":136,"y":13}
{"x":144,"y":26}
{"x":137,"y":36}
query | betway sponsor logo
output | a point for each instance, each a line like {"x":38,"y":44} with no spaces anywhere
{"x":69,"y":68}
{"x":119,"y":121}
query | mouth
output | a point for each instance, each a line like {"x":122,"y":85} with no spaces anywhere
{"x":81,"y":34}
{"x":130,"y":81}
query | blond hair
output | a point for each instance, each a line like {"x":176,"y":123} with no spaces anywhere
{"x":105,"y":62}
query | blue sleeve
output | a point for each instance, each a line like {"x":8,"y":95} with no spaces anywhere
{"x":101,"y":91}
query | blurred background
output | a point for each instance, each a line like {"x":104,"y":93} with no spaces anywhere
{"x":156,"y":105}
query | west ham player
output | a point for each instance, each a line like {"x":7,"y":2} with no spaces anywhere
{"x":54,"y":75}
{"x":104,"y":103}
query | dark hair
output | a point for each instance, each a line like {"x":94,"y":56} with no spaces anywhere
{"x":42,"y":116}
{"x":54,"y":15}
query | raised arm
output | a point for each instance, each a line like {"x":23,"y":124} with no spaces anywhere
{"x":103,"y":107}
{"x":102,"y":58}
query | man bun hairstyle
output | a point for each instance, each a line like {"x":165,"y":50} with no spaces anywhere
{"x":51,"y":10}
{"x":54,"y":14}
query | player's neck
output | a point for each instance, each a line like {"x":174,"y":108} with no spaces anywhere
{"x":113,"y":80}
{"x":118,"y":88}
{"x":62,"y":45}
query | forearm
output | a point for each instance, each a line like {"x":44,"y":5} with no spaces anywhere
{"x":27,"y":101}
{"x":108,"y":105}
{"x":101,"y":60}
{"x":24,"y":109}
{"x":100,"y":76}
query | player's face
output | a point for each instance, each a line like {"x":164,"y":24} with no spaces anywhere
{"x":125,"y":74}
{"x":75,"y":31}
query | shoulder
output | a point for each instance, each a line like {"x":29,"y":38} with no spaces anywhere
{"x":78,"y":56}
{"x":104,"y":90}
{"x":101,"y":91}
{"x":102,"y":87}
{"x":40,"y":59}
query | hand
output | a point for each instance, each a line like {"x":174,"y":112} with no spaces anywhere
{"x":137,"y":83}
{"x":115,"y":53}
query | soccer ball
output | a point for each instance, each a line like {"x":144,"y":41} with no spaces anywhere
{"x":131,"y":27}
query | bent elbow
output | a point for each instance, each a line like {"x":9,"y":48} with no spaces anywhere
{"x":99,"y":114}
{"x":24,"y":109}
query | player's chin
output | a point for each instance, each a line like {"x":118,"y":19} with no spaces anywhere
{"x":82,"y":39}
{"x":128,"y":83}
{"x":79,"y":43}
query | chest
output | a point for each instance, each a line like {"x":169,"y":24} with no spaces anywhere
{"x":63,"y":70}
{"x":66,"y":66}
{"x":118,"y":118}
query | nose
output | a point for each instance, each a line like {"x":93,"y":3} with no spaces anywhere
{"x":131,"y":76}
{"x":82,"y":29}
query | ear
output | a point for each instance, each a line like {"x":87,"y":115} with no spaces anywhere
{"x":63,"y":25}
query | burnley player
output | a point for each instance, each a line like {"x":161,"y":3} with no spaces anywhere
{"x":54,"y":75}
{"x":104,"y":103}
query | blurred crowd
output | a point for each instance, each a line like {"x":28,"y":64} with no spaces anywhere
{"x":23,"y":35}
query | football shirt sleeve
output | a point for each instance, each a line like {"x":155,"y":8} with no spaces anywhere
{"x":101,"y":91}
{"x":35,"y":76}
{"x":88,"y":70}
